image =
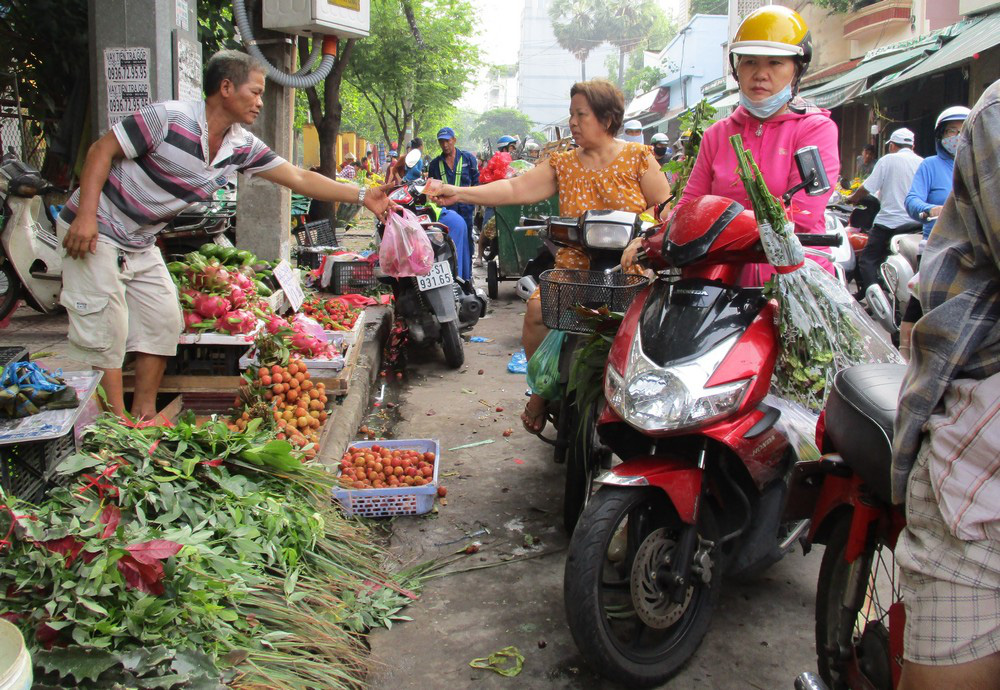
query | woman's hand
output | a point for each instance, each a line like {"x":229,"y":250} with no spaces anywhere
{"x":440,"y":193}
{"x":935,"y":211}
{"x":378,"y":202}
{"x":628,"y":256}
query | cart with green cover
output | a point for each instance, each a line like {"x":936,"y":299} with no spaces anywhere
{"x":514,"y":246}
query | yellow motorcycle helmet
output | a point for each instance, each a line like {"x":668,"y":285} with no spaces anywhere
{"x":773,"y":30}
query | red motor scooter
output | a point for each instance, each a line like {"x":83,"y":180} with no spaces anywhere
{"x":703,"y":486}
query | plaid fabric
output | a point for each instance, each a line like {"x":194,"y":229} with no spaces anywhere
{"x":959,"y":334}
{"x":951,"y":587}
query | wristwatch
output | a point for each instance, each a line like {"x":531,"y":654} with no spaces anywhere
{"x":361,"y":196}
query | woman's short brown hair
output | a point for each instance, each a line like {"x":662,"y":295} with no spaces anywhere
{"x":606,"y":101}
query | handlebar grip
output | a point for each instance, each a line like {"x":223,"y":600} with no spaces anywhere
{"x":808,"y":239}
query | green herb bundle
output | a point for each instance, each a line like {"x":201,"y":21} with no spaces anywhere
{"x":694,"y":121}
{"x":821,"y":328}
{"x":191,"y":556}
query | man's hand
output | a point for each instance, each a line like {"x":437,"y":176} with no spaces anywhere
{"x":378,"y":202}
{"x":81,"y":237}
{"x":935,"y":211}
{"x":440,"y":193}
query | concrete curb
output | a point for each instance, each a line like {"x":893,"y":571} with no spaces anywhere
{"x":348,"y":415}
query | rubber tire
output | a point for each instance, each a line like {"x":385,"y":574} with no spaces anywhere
{"x":492,"y":279}
{"x":587,"y":551}
{"x":833,"y":573}
{"x":10,"y":298}
{"x":451,"y":343}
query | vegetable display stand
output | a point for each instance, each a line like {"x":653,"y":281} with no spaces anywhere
{"x":336,"y":363}
{"x":410,"y":500}
{"x":206,"y":360}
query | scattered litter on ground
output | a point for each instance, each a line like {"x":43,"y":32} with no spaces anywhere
{"x":507,"y":662}
{"x":473,"y":445}
{"x":518,"y":461}
{"x":518,"y":363}
{"x":468,"y":392}
{"x":507,"y":433}
{"x":480,"y":339}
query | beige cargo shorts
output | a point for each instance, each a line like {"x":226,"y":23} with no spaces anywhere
{"x":120,"y":301}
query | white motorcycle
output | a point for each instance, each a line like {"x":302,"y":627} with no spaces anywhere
{"x":31,"y":262}
{"x":897,"y":271}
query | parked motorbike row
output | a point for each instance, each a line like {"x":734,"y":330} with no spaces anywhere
{"x":716,"y":477}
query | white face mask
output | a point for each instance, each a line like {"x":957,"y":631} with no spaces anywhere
{"x":950,"y":144}
{"x":636,"y":138}
{"x":767,"y":107}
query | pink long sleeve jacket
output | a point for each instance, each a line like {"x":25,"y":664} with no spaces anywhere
{"x":773,"y":144}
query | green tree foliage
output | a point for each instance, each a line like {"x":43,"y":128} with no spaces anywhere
{"x":493,"y":124}
{"x":711,"y":7}
{"x":575,"y":27}
{"x":628,"y":24}
{"x":638,"y":77}
{"x":403,"y":82}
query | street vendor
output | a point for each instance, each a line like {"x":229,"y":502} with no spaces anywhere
{"x":137,"y":177}
{"x":460,"y":169}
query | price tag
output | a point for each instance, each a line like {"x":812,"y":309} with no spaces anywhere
{"x":222,"y":240}
{"x":289,"y":281}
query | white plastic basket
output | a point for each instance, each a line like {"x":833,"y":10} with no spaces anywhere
{"x":411,"y":500}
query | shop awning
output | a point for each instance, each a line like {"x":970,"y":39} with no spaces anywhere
{"x":826,"y":97}
{"x":640,"y":104}
{"x":978,"y":35}
{"x":856,"y":78}
{"x":725,"y":106}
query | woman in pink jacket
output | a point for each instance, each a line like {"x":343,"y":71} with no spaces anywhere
{"x":769,"y":54}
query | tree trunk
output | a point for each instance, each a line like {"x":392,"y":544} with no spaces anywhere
{"x":621,"y":68}
{"x":583,"y":69}
{"x":327,"y":120}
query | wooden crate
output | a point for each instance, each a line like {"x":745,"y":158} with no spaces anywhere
{"x":337,"y":383}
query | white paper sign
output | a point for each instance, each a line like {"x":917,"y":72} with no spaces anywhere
{"x":188,"y":69}
{"x":182,"y":14}
{"x":126,"y":71}
{"x":289,"y":281}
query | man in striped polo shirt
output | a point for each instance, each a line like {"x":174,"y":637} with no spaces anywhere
{"x":136,"y":178}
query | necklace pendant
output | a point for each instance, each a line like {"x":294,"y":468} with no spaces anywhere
{"x":760,"y":128}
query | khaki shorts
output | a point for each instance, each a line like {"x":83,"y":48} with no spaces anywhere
{"x":950,"y":586}
{"x":120,"y":301}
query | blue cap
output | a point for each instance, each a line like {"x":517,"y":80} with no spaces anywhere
{"x":446,"y":133}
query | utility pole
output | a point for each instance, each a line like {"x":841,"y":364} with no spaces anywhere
{"x":263,"y":209}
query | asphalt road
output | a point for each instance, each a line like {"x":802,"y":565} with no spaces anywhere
{"x":511,"y":594}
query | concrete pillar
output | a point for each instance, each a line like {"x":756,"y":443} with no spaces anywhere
{"x":263,"y":210}
{"x":166,"y":28}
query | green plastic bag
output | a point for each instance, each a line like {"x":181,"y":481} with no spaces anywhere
{"x":543,"y":367}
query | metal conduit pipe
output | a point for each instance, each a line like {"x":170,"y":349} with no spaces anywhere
{"x":304,"y":78}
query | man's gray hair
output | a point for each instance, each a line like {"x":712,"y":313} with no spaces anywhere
{"x":233,"y":65}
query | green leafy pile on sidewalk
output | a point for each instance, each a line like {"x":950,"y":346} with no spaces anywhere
{"x":190,"y":557}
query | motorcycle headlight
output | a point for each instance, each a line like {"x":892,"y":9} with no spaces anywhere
{"x":650,"y":397}
{"x":606,"y":235}
{"x":435,"y":236}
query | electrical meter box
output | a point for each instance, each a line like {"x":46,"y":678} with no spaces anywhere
{"x":344,"y":18}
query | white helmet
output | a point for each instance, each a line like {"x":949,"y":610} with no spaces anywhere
{"x":660,"y":138}
{"x":955,"y":112}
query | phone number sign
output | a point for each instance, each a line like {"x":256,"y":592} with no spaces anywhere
{"x":126,"y":73}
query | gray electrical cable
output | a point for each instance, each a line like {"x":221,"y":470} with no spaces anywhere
{"x":302,"y":79}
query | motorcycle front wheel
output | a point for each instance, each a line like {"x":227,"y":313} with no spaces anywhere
{"x":623,"y":622}
{"x":852,"y":611}
{"x":10,"y":289}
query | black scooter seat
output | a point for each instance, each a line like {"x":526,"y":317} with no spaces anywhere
{"x":860,"y":412}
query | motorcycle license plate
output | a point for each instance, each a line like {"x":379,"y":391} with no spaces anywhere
{"x":439,"y":276}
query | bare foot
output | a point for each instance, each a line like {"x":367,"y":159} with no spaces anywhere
{"x":533,"y":417}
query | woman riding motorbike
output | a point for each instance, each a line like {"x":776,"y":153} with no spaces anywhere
{"x":931,"y":186}
{"x":768,"y":55}
{"x":604,"y":173}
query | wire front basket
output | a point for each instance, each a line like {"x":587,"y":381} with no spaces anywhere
{"x":563,"y":289}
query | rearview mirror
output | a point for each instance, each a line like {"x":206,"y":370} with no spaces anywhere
{"x":811,"y":170}
{"x":812,"y":173}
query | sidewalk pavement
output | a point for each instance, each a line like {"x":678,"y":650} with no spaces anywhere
{"x":42,"y":334}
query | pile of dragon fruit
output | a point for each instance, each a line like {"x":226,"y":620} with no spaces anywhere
{"x":220,"y":297}
{"x":303,"y":335}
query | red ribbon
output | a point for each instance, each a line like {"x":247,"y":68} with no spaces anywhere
{"x":788,"y":269}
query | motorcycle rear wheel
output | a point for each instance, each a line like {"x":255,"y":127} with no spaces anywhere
{"x":852,"y":627}
{"x":451,"y":343}
{"x":609,"y":597}
{"x":10,"y":290}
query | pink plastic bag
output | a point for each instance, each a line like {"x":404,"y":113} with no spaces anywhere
{"x":405,"y":250}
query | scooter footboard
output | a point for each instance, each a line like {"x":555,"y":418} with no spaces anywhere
{"x":679,"y":478}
